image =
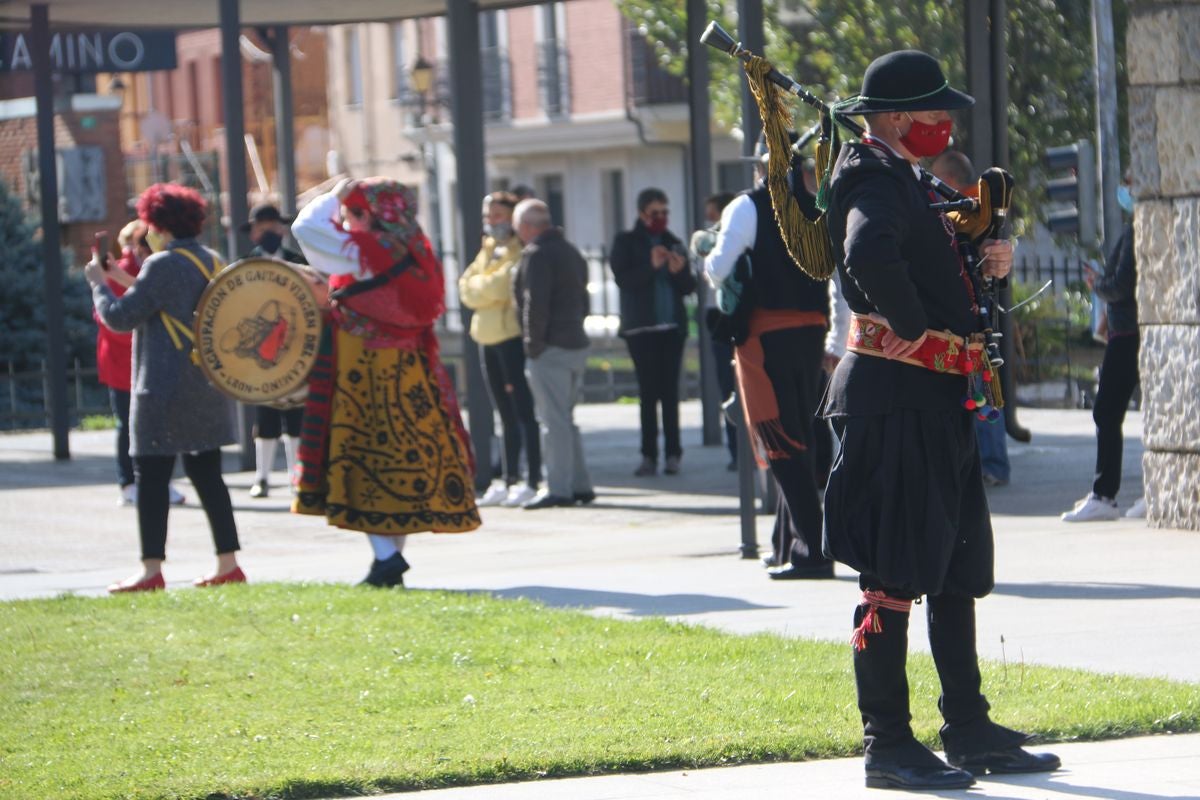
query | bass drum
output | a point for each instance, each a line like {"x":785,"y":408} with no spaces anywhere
{"x":257,"y":327}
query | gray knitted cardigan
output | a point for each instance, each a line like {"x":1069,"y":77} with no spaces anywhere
{"x":173,"y":408}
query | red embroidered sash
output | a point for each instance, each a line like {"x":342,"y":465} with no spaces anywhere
{"x":940,"y":352}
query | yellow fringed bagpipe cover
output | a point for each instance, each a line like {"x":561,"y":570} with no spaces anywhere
{"x":807,"y":241}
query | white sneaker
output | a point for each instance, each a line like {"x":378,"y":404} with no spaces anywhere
{"x":177,"y":497}
{"x":518,"y":495}
{"x":129,"y":495}
{"x":1137,"y":510}
{"x":494,"y":496}
{"x":1092,"y":508}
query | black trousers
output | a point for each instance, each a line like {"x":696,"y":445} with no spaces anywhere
{"x":204,"y":471}
{"x":882,"y":682}
{"x":823,"y":439}
{"x":792,"y":360}
{"x":1118,"y":379}
{"x":504,"y":365}
{"x":270,"y":423}
{"x":120,"y":407}
{"x":657,"y":356}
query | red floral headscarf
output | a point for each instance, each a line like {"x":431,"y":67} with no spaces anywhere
{"x":416,"y":297}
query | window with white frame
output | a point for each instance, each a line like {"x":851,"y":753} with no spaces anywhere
{"x":552,"y":61}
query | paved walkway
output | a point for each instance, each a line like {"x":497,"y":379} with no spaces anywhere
{"x":1112,"y":597}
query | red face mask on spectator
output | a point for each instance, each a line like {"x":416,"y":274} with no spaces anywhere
{"x":657,"y":224}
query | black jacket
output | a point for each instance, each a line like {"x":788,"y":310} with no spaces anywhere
{"x":550,"y":290}
{"x":630,"y":262}
{"x":1118,"y":286}
{"x":897,"y":259}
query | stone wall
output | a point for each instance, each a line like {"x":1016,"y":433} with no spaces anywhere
{"x":1164,"y":96}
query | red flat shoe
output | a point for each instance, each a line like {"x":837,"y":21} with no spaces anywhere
{"x":152,"y":584}
{"x":235,"y":575}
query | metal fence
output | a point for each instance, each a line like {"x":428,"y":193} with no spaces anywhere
{"x":1058,"y":337}
{"x":1055,"y":351}
{"x":25,"y":394}
{"x":1063,"y":271}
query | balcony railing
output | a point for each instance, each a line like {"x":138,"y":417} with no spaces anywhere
{"x":497,"y":85}
{"x":651,"y":84}
{"x":554,"y":77}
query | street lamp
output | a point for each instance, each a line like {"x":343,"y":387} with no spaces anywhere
{"x":421,"y":80}
{"x":421,"y":77}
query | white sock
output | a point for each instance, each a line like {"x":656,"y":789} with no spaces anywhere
{"x":399,"y":540}
{"x":384,"y":546}
{"x":264,"y":457}
{"x":291,"y":445}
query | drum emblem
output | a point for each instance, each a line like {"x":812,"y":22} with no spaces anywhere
{"x":264,"y":337}
{"x":258,"y":328}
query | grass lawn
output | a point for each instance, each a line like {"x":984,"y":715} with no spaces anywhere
{"x":292,"y":691}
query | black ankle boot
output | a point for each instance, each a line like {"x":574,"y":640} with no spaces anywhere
{"x":386,"y":573}
{"x":911,"y":766}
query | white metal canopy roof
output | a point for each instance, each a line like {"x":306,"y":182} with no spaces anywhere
{"x":181,"y":14}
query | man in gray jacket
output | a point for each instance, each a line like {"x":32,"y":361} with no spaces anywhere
{"x":550,"y":290}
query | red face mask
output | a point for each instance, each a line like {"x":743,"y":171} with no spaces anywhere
{"x":657,"y":224}
{"x":924,"y":140}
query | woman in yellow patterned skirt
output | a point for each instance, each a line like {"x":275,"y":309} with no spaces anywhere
{"x":383,"y":450}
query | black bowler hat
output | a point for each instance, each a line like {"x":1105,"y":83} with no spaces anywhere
{"x":906,"y":80}
{"x":265,"y":212}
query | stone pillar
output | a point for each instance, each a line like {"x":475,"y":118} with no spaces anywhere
{"x":1163,"y":56}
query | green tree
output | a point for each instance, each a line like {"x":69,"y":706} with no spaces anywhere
{"x":1051,"y":99}
{"x":22,"y":296}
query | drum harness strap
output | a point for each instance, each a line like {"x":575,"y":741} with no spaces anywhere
{"x":358,"y":287}
{"x":176,"y":329}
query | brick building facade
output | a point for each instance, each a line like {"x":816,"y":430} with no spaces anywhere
{"x":86,"y":120}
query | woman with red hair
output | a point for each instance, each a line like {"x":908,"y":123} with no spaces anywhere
{"x":382,"y":450}
{"x":173,"y":411}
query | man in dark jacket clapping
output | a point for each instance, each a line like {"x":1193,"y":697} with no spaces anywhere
{"x":550,"y":291}
{"x":650,"y":265}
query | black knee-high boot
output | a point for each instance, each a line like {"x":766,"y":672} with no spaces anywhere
{"x":952,"y":643}
{"x":894,"y":759}
{"x":882,"y":682}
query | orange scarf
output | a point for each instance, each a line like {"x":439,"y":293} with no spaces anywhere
{"x":761,"y":406}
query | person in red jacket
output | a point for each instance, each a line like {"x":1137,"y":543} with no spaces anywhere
{"x":114,"y":354}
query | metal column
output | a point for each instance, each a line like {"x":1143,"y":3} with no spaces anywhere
{"x":980,"y":127}
{"x":285,"y":131}
{"x":235,"y":184}
{"x":1000,"y":158}
{"x":1105,"y":77}
{"x":701,"y":168}
{"x":462,"y":23}
{"x":52,"y":266}
{"x":750,"y":30}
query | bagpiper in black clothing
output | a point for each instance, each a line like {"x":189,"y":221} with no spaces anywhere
{"x":905,"y":504}
{"x":778,"y":369}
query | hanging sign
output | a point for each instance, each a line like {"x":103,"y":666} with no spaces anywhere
{"x":92,"y":51}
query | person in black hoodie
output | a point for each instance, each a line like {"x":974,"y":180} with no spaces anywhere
{"x":1118,"y":379}
{"x":905,"y":504}
{"x":651,"y":268}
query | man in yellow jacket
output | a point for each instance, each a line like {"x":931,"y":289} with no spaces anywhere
{"x":486,"y":289}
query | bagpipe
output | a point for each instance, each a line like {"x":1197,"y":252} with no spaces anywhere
{"x":975,"y":219}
